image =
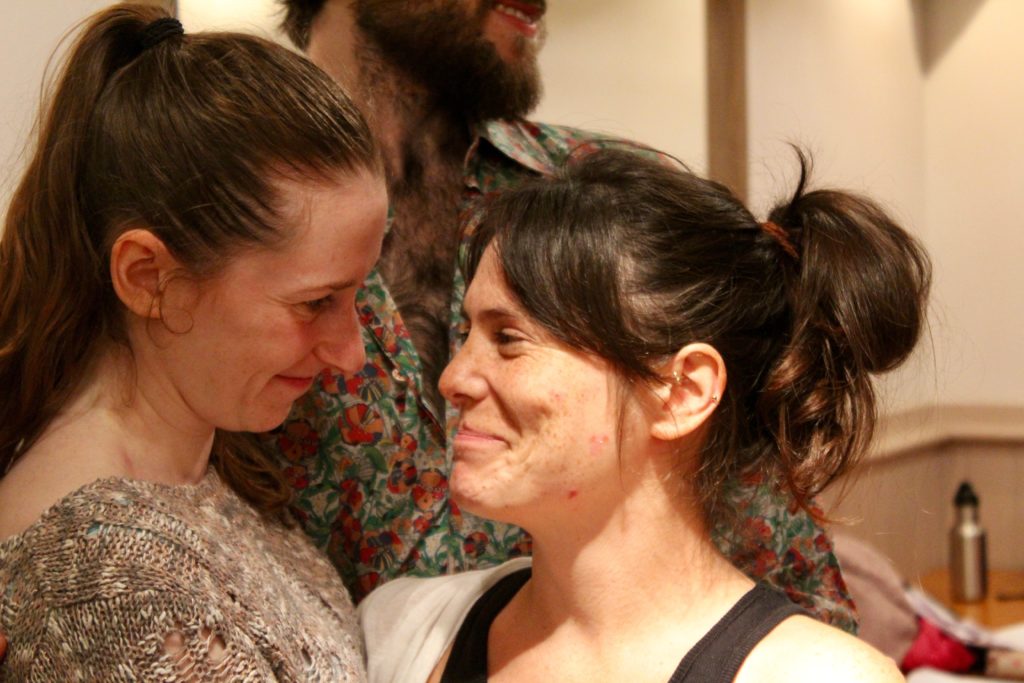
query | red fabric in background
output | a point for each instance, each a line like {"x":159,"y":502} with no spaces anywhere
{"x":934,"y":648}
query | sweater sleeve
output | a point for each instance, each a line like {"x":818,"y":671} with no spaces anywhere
{"x":132,"y":581}
{"x":128,"y":598}
{"x":142,"y":633}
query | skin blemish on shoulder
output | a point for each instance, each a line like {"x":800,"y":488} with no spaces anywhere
{"x":573,"y":494}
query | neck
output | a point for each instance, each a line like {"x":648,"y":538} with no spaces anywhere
{"x":416,"y":134}
{"x":638,"y":560}
{"x":413,"y":130}
{"x":649,"y":553}
{"x":138,"y":425}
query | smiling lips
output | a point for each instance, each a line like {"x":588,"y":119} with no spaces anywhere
{"x":523,"y":15}
{"x":297,"y":383}
{"x":467,"y":436}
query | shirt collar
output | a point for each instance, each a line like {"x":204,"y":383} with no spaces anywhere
{"x":519,"y":140}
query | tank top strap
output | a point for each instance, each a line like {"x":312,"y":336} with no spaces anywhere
{"x":467,"y":662}
{"x":719,"y":654}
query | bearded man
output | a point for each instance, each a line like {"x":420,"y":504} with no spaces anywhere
{"x":446,"y":84}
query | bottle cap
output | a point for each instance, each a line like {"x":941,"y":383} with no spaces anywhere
{"x":965,"y":495}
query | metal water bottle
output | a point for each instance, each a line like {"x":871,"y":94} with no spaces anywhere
{"x":968,"y":568}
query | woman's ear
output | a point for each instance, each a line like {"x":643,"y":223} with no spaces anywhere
{"x":140,"y":264}
{"x":694,"y":384}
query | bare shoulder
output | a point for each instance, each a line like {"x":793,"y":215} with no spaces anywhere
{"x":39,"y":480}
{"x":26,"y":492}
{"x":803,"y":649}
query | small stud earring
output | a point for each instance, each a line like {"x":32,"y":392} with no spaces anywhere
{"x":714,"y":397}
{"x":677,"y":378}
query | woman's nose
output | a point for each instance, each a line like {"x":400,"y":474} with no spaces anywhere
{"x":341,"y":341}
{"x":461,"y":380}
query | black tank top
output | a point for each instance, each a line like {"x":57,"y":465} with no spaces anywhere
{"x":714,"y":659}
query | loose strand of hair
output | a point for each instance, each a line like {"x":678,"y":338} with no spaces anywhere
{"x":51,"y":315}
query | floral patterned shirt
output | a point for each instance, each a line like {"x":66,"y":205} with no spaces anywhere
{"x":369,"y":461}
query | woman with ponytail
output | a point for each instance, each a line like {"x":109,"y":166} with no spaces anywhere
{"x":178,"y":263}
{"x":638,"y":344}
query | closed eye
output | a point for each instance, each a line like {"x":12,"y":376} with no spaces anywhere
{"x":317,"y":305}
{"x":504,"y":337}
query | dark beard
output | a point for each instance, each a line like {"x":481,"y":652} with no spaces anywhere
{"x":445,"y":50}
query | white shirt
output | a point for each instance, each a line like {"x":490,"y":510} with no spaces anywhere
{"x":409,"y":623}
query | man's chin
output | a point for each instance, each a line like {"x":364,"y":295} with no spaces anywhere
{"x":511,"y":94}
{"x":449,"y":54}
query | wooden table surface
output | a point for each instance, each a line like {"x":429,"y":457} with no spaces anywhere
{"x":1003,"y":605}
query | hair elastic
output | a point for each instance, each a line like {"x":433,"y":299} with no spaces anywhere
{"x":160,"y":30}
{"x":778,"y":234}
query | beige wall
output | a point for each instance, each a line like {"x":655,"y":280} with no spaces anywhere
{"x":841,"y":78}
{"x":635,"y":69}
{"x":974,"y":137}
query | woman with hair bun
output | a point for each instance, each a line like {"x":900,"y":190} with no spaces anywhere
{"x":178,"y":263}
{"x":638,"y":341}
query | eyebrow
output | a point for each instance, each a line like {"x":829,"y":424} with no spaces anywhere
{"x":497,"y":313}
{"x":333,"y":286}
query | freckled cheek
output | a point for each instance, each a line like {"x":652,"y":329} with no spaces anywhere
{"x":598,"y":444}
{"x":556,"y":425}
{"x":553,"y":427}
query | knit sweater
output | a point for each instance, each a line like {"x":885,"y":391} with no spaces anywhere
{"x":134,"y":581}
